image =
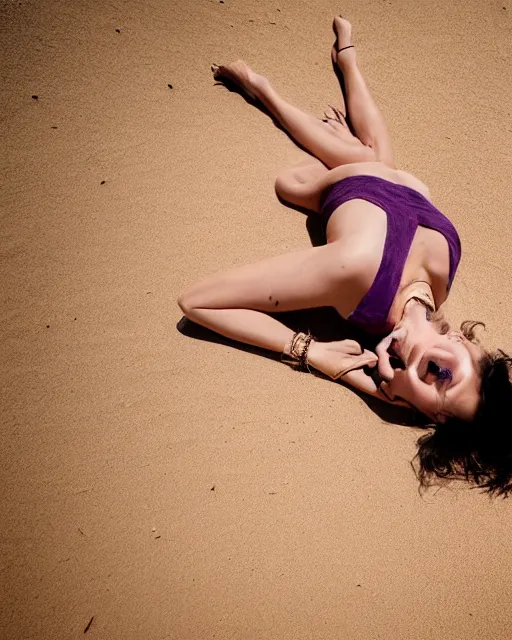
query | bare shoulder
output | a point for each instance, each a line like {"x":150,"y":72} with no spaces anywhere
{"x":377,"y":169}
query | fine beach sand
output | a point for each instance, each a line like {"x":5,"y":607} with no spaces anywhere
{"x":167,"y":486}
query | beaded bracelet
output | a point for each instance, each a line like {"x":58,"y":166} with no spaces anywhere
{"x":296,"y":351}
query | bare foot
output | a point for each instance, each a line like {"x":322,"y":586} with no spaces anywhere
{"x":343,"y":30}
{"x":240,"y":74}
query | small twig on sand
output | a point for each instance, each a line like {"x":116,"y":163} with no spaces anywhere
{"x":88,"y":625}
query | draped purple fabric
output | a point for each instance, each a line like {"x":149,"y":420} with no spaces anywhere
{"x":406,"y":209}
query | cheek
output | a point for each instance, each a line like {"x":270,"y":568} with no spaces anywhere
{"x":413,"y":391}
{"x":465,"y":365}
{"x":401,"y":385}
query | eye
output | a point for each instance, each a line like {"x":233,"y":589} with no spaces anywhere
{"x":440,"y":373}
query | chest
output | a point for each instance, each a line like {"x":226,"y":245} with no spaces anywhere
{"x":360,"y":229}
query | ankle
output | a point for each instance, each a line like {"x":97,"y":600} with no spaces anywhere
{"x":346,"y":59}
{"x":260,"y":85}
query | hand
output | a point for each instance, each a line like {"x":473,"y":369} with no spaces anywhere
{"x":384,"y":365}
{"x":335,"y":359}
{"x":386,"y":371}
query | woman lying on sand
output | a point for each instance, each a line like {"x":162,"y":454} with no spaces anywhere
{"x":387,"y":267}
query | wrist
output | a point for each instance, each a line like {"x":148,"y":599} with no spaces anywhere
{"x":315,"y":354}
{"x":296,"y":351}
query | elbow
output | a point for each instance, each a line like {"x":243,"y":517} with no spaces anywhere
{"x":191,"y":301}
{"x":186,"y":304}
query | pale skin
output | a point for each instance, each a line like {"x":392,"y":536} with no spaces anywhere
{"x":236,"y":302}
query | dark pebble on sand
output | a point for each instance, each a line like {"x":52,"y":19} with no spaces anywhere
{"x":47,"y":326}
{"x":221,"y":1}
{"x":35,"y":97}
{"x":102,"y":182}
{"x":118,"y":30}
{"x":54,"y":127}
{"x":170,"y":86}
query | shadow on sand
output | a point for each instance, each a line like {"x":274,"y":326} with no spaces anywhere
{"x":326,"y":325}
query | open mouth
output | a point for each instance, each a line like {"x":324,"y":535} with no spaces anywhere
{"x":395,"y":359}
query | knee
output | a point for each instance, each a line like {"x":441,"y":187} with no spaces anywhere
{"x":283,"y":183}
{"x":292,"y":186}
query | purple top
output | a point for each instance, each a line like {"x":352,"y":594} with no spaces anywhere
{"x":406,"y":209}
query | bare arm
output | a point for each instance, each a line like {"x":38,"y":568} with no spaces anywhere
{"x":235,"y":303}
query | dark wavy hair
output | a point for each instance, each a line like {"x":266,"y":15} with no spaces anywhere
{"x":479,"y":451}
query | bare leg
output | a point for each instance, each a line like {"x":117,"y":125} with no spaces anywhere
{"x":297,"y":184}
{"x":366,"y":118}
{"x":330,"y":141}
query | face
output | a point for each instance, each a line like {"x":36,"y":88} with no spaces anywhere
{"x":440,"y":372}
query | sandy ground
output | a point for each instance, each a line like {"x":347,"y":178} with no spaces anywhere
{"x":172,"y":487}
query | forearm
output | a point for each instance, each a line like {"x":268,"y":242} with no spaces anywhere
{"x":244,"y":325}
{"x":261,"y":330}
